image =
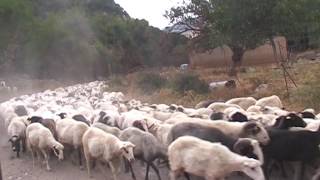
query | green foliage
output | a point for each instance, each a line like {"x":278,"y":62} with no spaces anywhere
{"x":150,"y":82}
{"x":185,"y":82}
{"x":245,"y":24}
{"x":80,"y":39}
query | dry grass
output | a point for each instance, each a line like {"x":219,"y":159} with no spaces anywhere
{"x":302,"y":72}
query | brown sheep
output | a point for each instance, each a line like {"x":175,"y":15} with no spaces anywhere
{"x":48,"y":123}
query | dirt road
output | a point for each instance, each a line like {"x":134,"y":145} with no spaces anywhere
{"x":22,"y":169}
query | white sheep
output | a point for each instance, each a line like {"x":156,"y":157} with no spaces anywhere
{"x":243,"y":102}
{"x":103,"y":146}
{"x":213,"y":160}
{"x":266,"y":120}
{"x":134,"y":118}
{"x":272,"y":101}
{"x":231,"y":111}
{"x":162,"y":116}
{"x":220,"y":106}
{"x":160,"y":131}
{"x":254,"y":109}
{"x":108,"y":117}
{"x":217,"y":85}
{"x":273,"y":110}
{"x":181,"y":119}
{"x":108,"y":129}
{"x":17,"y":134}
{"x":184,"y":67}
{"x":40,"y":140}
{"x":70,"y":132}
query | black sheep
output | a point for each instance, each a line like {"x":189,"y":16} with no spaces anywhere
{"x":300,"y":146}
{"x":77,"y":117}
{"x":306,"y":114}
{"x":241,"y":146}
{"x":290,"y":120}
{"x":238,"y":117}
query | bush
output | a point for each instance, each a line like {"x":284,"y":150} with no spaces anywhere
{"x":186,"y":82}
{"x":308,"y":96}
{"x":149,"y":82}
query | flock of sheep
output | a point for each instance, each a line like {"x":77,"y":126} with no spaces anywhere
{"x":211,"y":140}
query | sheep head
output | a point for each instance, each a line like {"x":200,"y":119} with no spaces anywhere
{"x":290,"y":120}
{"x":252,"y":168}
{"x":35,"y":119}
{"x":126,"y":149}
{"x":249,"y":147}
{"x":238,"y":117}
{"x":255,"y":130}
{"x":15,"y":143}
{"x":58,"y":150}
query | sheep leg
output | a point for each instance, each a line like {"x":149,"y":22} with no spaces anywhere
{"x":33,"y":154}
{"x":156,"y":170}
{"x":113,"y":170}
{"x":267,"y":167}
{"x":46,"y":159}
{"x":38,"y":156}
{"x":298,"y":166}
{"x":131,"y":169}
{"x":88,"y":161}
{"x":80,"y":158}
{"x":173,"y":175}
{"x":23,"y":145}
{"x":126,"y":165}
{"x":283,"y":171}
{"x":147,"y":172}
{"x":186,"y":175}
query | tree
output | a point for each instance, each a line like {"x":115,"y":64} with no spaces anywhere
{"x":241,"y":24}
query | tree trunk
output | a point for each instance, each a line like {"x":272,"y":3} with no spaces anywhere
{"x":237,"y":55}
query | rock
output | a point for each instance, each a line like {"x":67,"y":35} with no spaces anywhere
{"x":310,"y":55}
{"x":261,"y":88}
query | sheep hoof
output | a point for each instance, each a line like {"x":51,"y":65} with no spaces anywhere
{"x":81,"y":168}
{"x":48,"y":169}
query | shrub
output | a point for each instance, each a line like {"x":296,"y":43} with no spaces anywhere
{"x":308,"y":96}
{"x":186,"y":82}
{"x":149,"y":82}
